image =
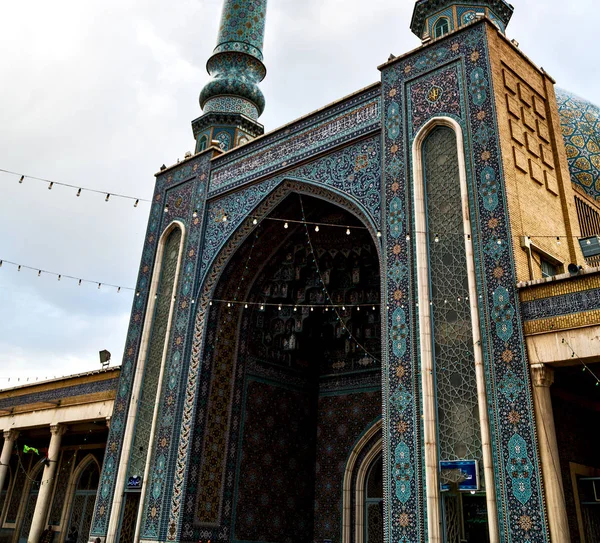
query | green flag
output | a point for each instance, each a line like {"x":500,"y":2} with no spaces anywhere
{"x":27,"y":449}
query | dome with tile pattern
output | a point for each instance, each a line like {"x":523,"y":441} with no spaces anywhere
{"x":580,"y":122}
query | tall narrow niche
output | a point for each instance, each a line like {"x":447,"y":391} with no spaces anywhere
{"x":157,"y":352}
{"x":456,"y":385}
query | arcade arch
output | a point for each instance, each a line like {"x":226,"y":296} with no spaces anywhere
{"x":291,"y":381}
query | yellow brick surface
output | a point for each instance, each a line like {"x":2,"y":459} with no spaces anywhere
{"x":564,"y":322}
{"x":536,"y":174}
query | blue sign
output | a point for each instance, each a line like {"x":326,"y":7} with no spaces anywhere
{"x":470,"y":474}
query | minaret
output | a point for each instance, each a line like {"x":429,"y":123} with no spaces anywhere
{"x":232,"y":101}
{"x":433,"y":19}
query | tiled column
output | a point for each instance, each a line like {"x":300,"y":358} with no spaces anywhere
{"x":43,"y":501}
{"x":10,"y":437}
{"x":543,"y":378}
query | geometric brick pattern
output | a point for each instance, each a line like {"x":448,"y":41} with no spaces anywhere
{"x":530,"y":136}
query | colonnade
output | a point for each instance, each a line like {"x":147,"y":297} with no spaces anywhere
{"x":44,"y":497}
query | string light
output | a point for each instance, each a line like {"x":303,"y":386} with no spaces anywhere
{"x":262,"y":305}
{"x":286,"y":225}
{"x":58,"y":183}
{"x":108,"y":196}
{"x":312,"y":250}
{"x":317,"y":228}
{"x":60,"y":276}
{"x":348,"y":231}
{"x":585,"y":366}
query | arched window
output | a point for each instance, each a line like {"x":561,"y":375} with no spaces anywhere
{"x":158,"y":338}
{"x":155,"y":352}
{"x":442,"y":27}
{"x":224,"y":139}
{"x":82,"y":508}
{"x":450,"y":323}
{"x":34,"y":489}
{"x":202,"y":144}
{"x":458,"y":415}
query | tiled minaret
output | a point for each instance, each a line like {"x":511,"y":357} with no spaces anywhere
{"x":433,"y":19}
{"x":232,"y":101}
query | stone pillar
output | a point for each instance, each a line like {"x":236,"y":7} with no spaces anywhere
{"x":542,"y":378}
{"x":10,"y":436}
{"x":38,"y":524}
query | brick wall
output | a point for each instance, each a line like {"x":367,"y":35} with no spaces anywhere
{"x":540,"y":194}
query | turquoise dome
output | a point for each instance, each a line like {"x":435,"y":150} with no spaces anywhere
{"x":580,"y":122}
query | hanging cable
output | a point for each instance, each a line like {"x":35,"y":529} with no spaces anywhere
{"x":107,"y":195}
{"x":60,"y":276}
{"x":333,"y":306}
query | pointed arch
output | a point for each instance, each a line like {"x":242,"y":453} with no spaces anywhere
{"x":29,"y":499}
{"x":80,"y":509}
{"x":441,"y":27}
{"x":207,"y":286}
{"x":426,"y":332}
{"x":71,"y":489}
{"x":162,"y":345}
{"x":361,"y":457}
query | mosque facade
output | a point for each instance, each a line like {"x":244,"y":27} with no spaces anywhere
{"x":376,"y":323}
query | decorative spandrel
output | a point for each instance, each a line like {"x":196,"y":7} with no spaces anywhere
{"x":458,"y":412}
{"x":158,"y":337}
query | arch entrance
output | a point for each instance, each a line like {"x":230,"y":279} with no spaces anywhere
{"x":291,"y":377}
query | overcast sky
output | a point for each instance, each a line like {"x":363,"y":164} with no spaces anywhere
{"x":101,"y":93}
